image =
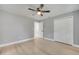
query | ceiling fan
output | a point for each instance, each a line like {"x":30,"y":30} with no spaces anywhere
{"x":40,"y":10}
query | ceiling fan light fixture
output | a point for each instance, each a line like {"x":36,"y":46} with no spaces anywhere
{"x":39,"y":13}
{"x":39,"y":10}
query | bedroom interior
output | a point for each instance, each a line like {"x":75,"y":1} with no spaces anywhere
{"x":39,"y":29}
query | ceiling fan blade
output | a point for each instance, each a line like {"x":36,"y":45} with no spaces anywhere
{"x":46,"y":11}
{"x":41,"y":6}
{"x":31,"y":9}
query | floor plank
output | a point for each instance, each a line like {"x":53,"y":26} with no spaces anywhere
{"x":39,"y":47}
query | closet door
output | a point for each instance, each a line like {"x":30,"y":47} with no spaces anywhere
{"x":63,"y":30}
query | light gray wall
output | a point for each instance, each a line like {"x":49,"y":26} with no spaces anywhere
{"x":48,"y":28}
{"x":14,"y":28}
{"x":76,"y":28}
{"x":49,"y":25}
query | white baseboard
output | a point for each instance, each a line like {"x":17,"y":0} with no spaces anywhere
{"x":75,"y":45}
{"x":17,"y":42}
{"x":24,"y":40}
{"x":49,"y":39}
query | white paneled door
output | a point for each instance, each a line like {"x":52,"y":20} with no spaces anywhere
{"x":63,"y":30}
{"x":38,"y":29}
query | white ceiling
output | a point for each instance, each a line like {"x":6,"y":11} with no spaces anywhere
{"x":22,"y":9}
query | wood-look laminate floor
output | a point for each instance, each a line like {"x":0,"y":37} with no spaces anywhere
{"x":39,"y":47}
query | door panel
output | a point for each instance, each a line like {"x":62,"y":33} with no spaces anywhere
{"x":38,"y":29}
{"x":41,"y":29}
